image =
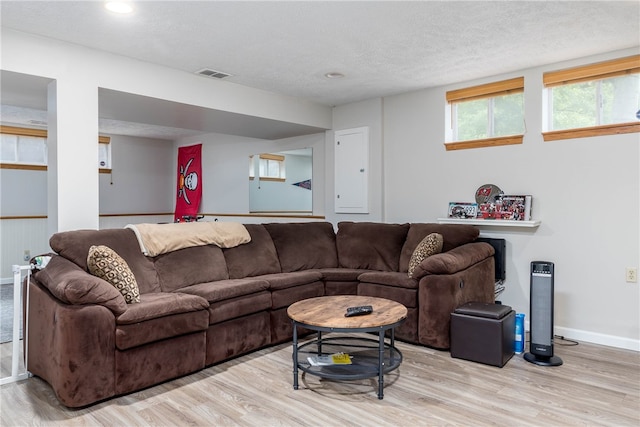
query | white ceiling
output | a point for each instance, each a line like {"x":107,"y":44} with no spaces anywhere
{"x":382,"y":48}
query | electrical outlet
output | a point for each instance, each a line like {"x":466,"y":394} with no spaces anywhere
{"x":27,"y":255}
{"x":632,"y":274}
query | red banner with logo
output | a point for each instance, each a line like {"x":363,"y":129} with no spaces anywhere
{"x":189,"y":182}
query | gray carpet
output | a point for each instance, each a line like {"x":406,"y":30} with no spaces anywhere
{"x":6,"y":313}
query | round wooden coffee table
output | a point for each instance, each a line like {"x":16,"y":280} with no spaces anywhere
{"x":365,"y":358}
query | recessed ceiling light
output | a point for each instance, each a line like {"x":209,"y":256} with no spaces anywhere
{"x":119,"y":6}
{"x":334,"y":75}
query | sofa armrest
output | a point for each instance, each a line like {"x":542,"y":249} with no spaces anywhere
{"x":455,"y":260}
{"x":72,"y":285}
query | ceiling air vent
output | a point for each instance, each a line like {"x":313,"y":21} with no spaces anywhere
{"x":207,"y":72}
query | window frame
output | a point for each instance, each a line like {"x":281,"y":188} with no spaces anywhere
{"x":484,"y":91}
{"x":42,"y":133}
{"x":588,"y":73}
{"x":28,"y":132}
{"x":272,"y":157}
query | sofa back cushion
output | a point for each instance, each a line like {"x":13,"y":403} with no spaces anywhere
{"x":304,"y":245}
{"x":74,"y":246}
{"x":255,"y":258}
{"x":190,"y":266}
{"x":369,"y":245}
{"x":453,"y":235}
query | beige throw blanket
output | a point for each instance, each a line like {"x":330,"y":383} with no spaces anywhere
{"x":156,"y":239}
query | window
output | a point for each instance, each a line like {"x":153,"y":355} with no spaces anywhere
{"x":104,"y":154}
{"x":252,"y":168}
{"x":596,"y":99}
{"x":24,"y":148}
{"x":272,"y":167}
{"x":487,"y":115}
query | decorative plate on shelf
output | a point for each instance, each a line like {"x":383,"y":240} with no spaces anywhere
{"x":488,"y":193}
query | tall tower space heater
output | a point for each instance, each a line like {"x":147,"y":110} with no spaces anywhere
{"x":541,"y":315}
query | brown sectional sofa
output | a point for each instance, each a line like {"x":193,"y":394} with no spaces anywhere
{"x":202,"y":305}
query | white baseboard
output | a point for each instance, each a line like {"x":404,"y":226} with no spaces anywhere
{"x":598,"y":338}
{"x":595,"y":338}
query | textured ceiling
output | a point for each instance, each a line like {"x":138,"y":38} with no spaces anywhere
{"x":383,"y":48}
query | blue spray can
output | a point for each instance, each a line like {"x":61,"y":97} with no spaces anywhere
{"x":519,"y":341}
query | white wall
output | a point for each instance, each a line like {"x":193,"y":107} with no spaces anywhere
{"x":23,"y":192}
{"x":365,"y":113}
{"x":79,"y":72}
{"x":142,"y":182}
{"x":585,"y":192}
{"x":142,"y":179}
{"x":225,"y":164}
{"x":283,"y":196}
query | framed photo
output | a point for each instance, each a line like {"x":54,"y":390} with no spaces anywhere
{"x":463,"y":210}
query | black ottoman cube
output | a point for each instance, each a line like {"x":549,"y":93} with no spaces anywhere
{"x":483,"y":332}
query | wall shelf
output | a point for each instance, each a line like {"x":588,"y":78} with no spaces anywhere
{"x":490,"y":222}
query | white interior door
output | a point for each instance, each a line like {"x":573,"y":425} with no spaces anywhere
{"x":352,"y":170}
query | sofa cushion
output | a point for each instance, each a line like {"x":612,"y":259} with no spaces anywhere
{"x":233,"y":308}
{"x":227,"y":289}
{"x":389,"y":278}
{"x":372,"y":246}
{"x":341,"y":274}
{"x":405,"y":296}
{"x":160,"y":328}
{"x":285,"y":297}
{"x":288,"y":280}
{"x":161,"y":304}
{"x":455,"y":260}
{"x":453,"y":235}
{"x":190,"y":266}
{"x":74,"y":246}
{"x":305,"y":245}
{"x":72,"y":285}
{"x":257,"y":257}
{"x":105,"y":263}
{"x":430,"y":245}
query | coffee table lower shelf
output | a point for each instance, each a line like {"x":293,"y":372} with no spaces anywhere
{"x":369,"y":358}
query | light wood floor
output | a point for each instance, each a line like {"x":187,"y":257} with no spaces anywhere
{"x":597,"y":385}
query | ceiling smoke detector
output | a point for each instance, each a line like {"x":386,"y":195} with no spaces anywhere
{"x":207,"y":72}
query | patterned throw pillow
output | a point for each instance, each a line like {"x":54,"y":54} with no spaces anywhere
{"x":430,"y":245}
{"x":106,"y":264}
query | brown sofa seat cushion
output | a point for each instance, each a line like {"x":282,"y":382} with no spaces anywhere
{"x":220,"y":311}
{"x":257,"y":257}
{"x":371,"y":246}
{"x":161,"y":304}
{"x":289,"y":280}
{"x":159,"y":316}
{"x":160,"y":328}
{"x":453,"y":235}
{"x":405,"y":296}
{"x":227,"y":289}
{"x":190,"y":266}
{"x":72,"y":285}
{"x":389,"y":278}
{"x":74,"y":246}
{"x":341,"y":274}
{"x":305,"y":245}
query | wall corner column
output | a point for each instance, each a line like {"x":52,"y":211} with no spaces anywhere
{"x":72,"y":146}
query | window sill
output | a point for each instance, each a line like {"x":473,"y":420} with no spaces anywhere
{"x":487,"y":142}
{"x":22,"y":166}
{"x":591,"y":131}
{"x":264,"y":178}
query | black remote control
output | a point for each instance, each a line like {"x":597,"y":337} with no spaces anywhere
{"x":358,"y":311}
